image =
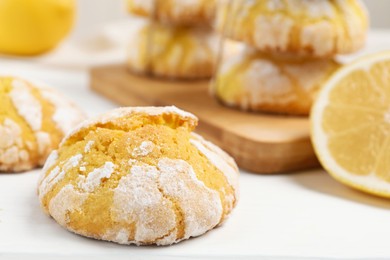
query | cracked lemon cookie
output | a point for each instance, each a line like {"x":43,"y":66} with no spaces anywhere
{"x":318,"y":28}
{"x":284,"y":84}
{"x":33,"y":120}
{"x":139,"y":176}
{"x":178,"y":12}
{"x":172,"y":52}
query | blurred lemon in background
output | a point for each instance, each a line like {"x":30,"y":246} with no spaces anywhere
{"x":30,"y":27}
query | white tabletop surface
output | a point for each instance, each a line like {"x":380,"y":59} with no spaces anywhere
{"x":286,"y":216}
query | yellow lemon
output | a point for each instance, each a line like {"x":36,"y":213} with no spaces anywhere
{"x":351,"y":125}
{"x":29,"y":27}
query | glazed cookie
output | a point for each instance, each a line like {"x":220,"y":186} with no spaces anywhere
{"x":277,"y":84}
{"x":33,"y":120}
{"x":177,"y":12}
{"x":172,"y":52}
{"x":139,"y":176}
{"x":320,"y":28}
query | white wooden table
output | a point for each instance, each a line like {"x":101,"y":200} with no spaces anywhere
{"x":306,"y":214}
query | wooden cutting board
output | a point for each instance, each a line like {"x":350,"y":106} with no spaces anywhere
{"x":260,"y":143}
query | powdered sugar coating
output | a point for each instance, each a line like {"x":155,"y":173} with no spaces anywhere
{"x":50,"y":180}
{"x":173,"y":52}
{"x":201,"y":206}
{"x":307,"y":27}
{"x":94,"y":178}
{"x":30,"y":109}
{"x":144,"y":149}
{"x":65,"y":202}
{"x":128,"y":111}
{"x":137,"y":199}
{"x":26,"y":104}
{"x":168,"y":240}
{"x":141,"y":197}
{"x":88,"y":146}
{"x":122,"y":237}
{"x":309,"y":74}
{"x":44,"y":143}
{"x":277,"y":28}
{"x":279,"y":83}
{"x":66,"y":115}
{"x":50,"y":162}
{"x":57,"y":174}
{"x":178,"y":12}
{"x":219,"y":158}
{"x":33,"y":114}
{"x":266,"y":74}
{"x":12,"y":147}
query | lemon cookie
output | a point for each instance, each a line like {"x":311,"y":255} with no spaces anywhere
{"x":33,"y":120}
{"x":172,"y":52}
{"x":318,"y":28}
{"x":284,"y":84}
{"x":178,"y":12}
{"x":139,"y":176}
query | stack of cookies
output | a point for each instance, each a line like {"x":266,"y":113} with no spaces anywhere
{"x":289,"y":50}
{"x":173,"y":40}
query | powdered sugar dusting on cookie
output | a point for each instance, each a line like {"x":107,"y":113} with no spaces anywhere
{"x":201,"y":206}
{"x":319,"y":42}
{"x":12,"y":150}
{"x":310,"y":73}
{"x":50,"y":180}
{"x":94,"y":178}
{"x":57,"y":174}
{"x":168,"y":240}
{"x":26,"y":104}
{"x":266,"y":83}
{"x":72,"y":162}
{"x":324,"y":28}
{"x":122,"y":237}
{"x":144,"y":149}
{"x":50,"y":161}
{"x":219,"y":159}
{"x":43,"y":142}
{"x":66,"y":201}
{"x":88,"y":146}
{"x":277,"y":28}
{"x":66,"y":115}
{"x":275,"y":5}
{"x":313,"y":8}
{"x":138,"y":199}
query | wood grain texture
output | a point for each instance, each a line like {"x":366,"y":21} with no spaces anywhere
{"x":260,"y":143}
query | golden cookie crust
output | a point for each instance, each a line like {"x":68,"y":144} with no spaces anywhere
{"x":33,"y":120}
{"x":172,"y":52}
{"x":283,"y":84}
{"x":176,"y":12}
{"x":139,"y":176}
{"x":319,"y":28}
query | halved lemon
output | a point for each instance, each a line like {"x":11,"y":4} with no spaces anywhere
{"x":350,"y":125}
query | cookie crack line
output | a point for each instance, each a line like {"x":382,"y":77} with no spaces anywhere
{"x":180,"y":224}
{"x":167,"y":235}
{"x":30,"y":129}
{"x":220,"y":193}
